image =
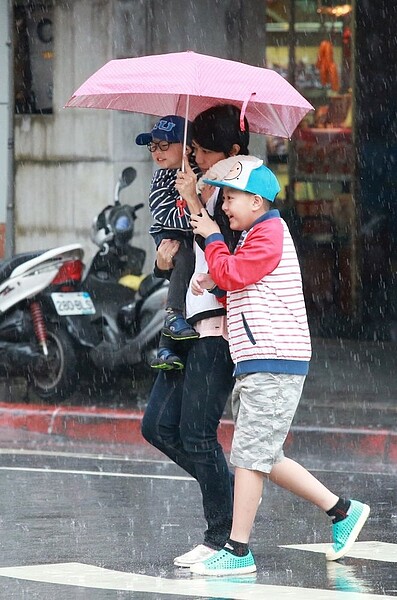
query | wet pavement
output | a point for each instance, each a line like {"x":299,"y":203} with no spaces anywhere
{"x":104,"y":522}
{"x":351,"y":383}
{"x":85,"y":519}
{"x":348,"y":407}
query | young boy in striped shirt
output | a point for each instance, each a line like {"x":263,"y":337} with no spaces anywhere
{"x":270,"y":345}
{"x":171,"y":220}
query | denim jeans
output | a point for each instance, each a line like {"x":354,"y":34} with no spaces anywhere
{"x":181,"y":420}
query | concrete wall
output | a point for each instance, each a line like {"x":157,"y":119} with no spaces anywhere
{"x":67,"y":163}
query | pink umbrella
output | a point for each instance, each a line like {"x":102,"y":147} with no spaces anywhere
{"x":186,"y":83}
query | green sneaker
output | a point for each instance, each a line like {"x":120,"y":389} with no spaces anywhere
{"x":345,"y":532}
{"x":225,"y":563}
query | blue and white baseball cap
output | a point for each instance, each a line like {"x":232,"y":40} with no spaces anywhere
{"x":249,"y":174}
{"x":169,"y":128}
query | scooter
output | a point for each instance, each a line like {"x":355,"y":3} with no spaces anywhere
{"x":41,"y":310}
{"x":130,"y":306}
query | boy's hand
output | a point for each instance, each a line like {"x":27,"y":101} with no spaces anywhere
{"x":201,"y":282}
{"x":202,"y":224}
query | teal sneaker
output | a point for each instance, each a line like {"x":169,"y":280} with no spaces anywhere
{"x":225,"y":563}
{"x":345,"y":532}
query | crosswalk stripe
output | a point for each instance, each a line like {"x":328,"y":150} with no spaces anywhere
{"x":371,"y":550}
{"x":238,"y":588}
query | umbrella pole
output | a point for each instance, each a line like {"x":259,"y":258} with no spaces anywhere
{"x":181,"y":203}
{"x":185,"y":133}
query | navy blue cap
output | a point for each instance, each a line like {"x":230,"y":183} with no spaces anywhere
{"x":169,"y":128}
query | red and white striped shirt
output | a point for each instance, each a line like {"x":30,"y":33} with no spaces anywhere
{"x":266,"y":313}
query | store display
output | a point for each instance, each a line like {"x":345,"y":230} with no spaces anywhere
{"x":324,"y":151}
{"x":321,"y":156}
{"x":326,"y":65}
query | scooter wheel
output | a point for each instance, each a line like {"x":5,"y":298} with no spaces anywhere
{"x":55,"y":375}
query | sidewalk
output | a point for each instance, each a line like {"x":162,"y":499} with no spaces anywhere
{"x":348,"y":408}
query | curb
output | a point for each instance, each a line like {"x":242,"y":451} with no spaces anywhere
{"x":122,"y":426}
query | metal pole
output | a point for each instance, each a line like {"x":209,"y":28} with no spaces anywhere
{"x":10,"y":223}
{"x":3,"y":120}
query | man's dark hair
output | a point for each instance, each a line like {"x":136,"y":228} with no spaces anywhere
{"x":218,"y":128}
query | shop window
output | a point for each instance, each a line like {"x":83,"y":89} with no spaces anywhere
{"x":309,"y":42}
{"x":33,"y":57}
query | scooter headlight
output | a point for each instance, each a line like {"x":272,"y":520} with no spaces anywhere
{"x":122,"y":224}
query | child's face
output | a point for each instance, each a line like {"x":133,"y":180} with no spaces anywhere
{"x":170,"y":158}
{"x":241,"y":208}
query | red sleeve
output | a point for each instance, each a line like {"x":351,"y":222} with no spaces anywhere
{"x":258,"y":256}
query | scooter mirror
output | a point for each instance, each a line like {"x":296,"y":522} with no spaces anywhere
{"x":127,"y":177}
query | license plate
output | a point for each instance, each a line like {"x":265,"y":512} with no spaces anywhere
{"x":73,"y":303}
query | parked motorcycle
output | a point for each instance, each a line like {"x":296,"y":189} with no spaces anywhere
{"x":130,"y":307}
{"x":42,"y":309}
{"x":55,"y":323}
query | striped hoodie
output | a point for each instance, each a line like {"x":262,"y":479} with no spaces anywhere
{"x":266,"y":313}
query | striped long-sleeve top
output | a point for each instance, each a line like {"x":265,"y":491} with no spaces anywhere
{"x":266,"y":313}
{"x":163,"y":205}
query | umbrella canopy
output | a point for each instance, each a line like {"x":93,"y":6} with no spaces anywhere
{"x":186,"y":83}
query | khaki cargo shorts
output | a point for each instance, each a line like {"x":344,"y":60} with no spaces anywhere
{"x":263,"y":406}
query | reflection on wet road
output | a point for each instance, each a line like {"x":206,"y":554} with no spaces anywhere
{"x":97,"y":524}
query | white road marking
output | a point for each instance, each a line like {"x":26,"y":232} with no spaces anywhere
{"x":90,"y":456}
{"x":55,"y":454}
{"x":238,"y":588}
{"x":382,"y":470}
{"x":96,"y":473}
{"x":373,"y":550}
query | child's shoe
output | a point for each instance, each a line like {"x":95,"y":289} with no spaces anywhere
{"x":345,"y":532}
{"x":177,"y":328}
{"x":225,"y":563}
{"x":166,"y":360}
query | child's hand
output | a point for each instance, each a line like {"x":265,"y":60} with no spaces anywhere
{"x":202,"y":224}
{"x":201,"y":282}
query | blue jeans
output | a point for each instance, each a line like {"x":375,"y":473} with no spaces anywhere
{"x":181,"y":420}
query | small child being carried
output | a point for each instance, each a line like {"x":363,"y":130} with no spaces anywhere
{"x":171,"y":221}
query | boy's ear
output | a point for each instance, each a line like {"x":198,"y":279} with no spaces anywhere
{"x":259,"y":202}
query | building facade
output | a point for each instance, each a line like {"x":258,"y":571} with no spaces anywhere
{"x":338,"y":173}
{"x":68,"y":160}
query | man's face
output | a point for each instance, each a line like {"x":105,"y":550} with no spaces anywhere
{"x":205,"y":159}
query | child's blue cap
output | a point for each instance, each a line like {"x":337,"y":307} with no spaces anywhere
{"x":249,"y":174}
{"x":169,"y":128}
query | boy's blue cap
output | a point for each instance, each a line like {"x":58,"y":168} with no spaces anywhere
{"x":169,"y":129}
{"x":249,"y":174}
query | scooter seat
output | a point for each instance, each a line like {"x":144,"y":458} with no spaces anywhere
{"x":7,"y":266}
{"x":149,"y":285}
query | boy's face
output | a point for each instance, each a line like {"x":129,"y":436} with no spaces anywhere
{"x":170,"y":158}
{"x":242,"y":208}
